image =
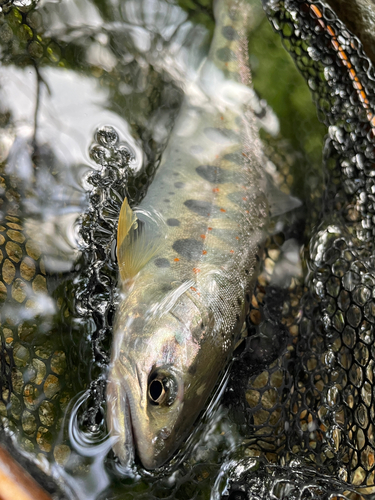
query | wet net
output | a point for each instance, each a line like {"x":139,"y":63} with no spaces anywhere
{"x":301,"y":388}
{"x":311,"y":411}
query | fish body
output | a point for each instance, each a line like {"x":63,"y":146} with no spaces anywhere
{"x":189,"y":257}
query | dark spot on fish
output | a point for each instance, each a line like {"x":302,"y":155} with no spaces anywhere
{"x":211,"y":173}
{"x":234,"y":158}
{"x":257,"y":257}
{"x":188,"y":248}
{"x":179,"y":185}
{"x":165,"y":287}
{"x":229,"y":33}
{"x":161,"y":262}
{"x":247,"y":297}
{"x":173,"y":222}
{"x":166,"y":200}
{"x":237,"y":317}
{"x":232,"y":75}
{"x":202,"y":326}
{"x":171,"y":193}
{"x":221,"y":135}
{"x":225,"y":54}
{"x":239,"y":301}
{"x":176,"y":173}
{"x":199,"y":207}
{"x":192,"y":369}
{"x":246,"y":271}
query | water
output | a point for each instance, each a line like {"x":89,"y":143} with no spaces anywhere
{"x":89,"y":93}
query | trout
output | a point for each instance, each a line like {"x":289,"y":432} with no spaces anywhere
{"x":189,"y":256}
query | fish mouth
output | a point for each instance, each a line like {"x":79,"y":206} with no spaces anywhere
{"x":122,"y":430}
{"x":128,"y":450}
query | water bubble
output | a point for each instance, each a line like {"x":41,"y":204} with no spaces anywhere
{"x":125,"y":154}
{"x":107,"y":136}
{"x":99,"y":154}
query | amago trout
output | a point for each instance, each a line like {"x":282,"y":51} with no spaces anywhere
{"x":188,"y":257}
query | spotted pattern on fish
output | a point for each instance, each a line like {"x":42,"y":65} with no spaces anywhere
{"x":213,"y":252}
{"x":225,"y":54}
{"x":211,"y":173}
{"x":173,"y":222}
{"x":161,"y":262}
{"x":229,"y":33}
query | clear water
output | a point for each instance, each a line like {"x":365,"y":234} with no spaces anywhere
{"x":68,"y":69}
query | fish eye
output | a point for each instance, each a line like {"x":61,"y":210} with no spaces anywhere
{"x":162,"y":388}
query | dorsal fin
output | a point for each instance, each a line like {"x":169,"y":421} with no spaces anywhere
{"x":135,"y":245}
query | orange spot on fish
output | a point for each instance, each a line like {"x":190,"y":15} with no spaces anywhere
{"x":237,"y":238}
{"x":209,"y":228}
{"x":196,"y":270}
{"x":203,"y":236}
{"x":176,"y":259}
{"x":232,"y":251}
{"x":222,"y":210}
{"x":215,"y":190}
{"x":204,"y":252}
{"x":244,"y":199}
{"x":192,"y":288}
{"x":221,"y":117}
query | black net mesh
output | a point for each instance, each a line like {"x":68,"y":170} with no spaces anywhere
{"x":311,"y":411}
{"x":301,"y":390}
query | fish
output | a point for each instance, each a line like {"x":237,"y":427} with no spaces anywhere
{"x":189,"y":256}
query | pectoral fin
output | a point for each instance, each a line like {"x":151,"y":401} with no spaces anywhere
{"x":136,"y":245}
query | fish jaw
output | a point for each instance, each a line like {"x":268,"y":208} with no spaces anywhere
{"x":119,"y":419}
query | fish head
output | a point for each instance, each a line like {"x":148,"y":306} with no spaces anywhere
{"x":164,"y":373}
